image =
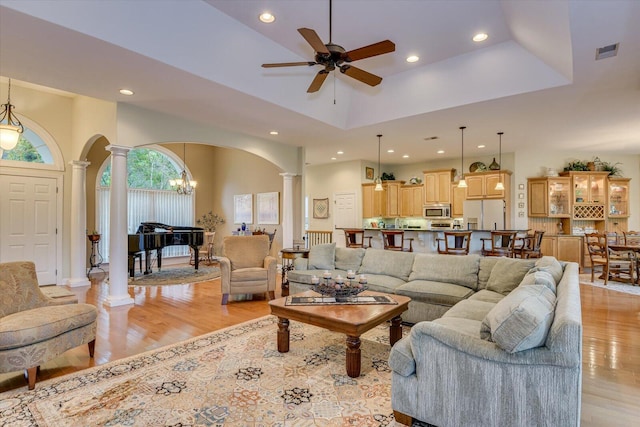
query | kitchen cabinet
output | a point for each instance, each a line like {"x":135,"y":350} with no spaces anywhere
{"x":618,"y":197}
{"x":482,"y":185}
{"x":437,"y":186}
{"x":549,"y":197}
{"x":412,"y":197}
{"x":563,"y":248}
{"x":458,"y":196}
{"x":385,"y":203}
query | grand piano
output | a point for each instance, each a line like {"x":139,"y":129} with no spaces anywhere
{"x":147,"y":239}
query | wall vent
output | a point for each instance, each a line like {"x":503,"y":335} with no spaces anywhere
{"x":607,"y":51}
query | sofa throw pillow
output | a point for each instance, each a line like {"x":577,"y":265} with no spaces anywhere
{"x":521,"y":320}
{"x":551,"y":265}
{"x":537,"y":276}
{"x":322,"y":257}
{"x":507,"y":274}
{"x":349,"y":258}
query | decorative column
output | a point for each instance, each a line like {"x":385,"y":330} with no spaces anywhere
{"x":118,"y":266}
{"x":287,"y":209}
{"x":78,"y":229}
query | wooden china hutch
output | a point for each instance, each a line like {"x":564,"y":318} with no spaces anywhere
{"x":574,"y":203}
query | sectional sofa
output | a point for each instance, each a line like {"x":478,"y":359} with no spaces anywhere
{"x":494,"y":341}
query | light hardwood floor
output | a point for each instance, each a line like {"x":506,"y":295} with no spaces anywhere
{"x":166,"y":314}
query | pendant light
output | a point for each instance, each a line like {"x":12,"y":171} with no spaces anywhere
{"x":183,"y":185}
{"x":378,"y":180}
{"x":462,"y":183}
{"x":500,"y":185}
{"x":10,"y":126}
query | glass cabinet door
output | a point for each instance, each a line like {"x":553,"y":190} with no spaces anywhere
{"x":597,"y":189}
{"x":559,"y":193}
{"x":618,"y":198}
{"x":580,"y":188}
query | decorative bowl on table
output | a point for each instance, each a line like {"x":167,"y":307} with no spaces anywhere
{"x":341,"y":292}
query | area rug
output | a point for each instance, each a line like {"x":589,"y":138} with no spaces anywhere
{"x":175,"y":276}
{"x":612,"y":285}
{"x":231,"y":377}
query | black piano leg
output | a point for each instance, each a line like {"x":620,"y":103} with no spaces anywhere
{"x":159,"y":252}
{"x":147,"y":262}
{"x":197,"y":255}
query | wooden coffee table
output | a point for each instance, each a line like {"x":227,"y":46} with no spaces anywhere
{"x":352,"y":320}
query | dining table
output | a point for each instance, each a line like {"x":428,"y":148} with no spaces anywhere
{"x":634,"y":253}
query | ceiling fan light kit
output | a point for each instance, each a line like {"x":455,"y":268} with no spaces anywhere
{"x":332,"y":56}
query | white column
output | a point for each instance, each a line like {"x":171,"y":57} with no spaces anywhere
{"x":78,"y":229}
{"x":118,"y":266}
{"x":287,"y":209}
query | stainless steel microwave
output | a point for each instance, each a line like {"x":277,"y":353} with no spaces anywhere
{"x":437,"y":211}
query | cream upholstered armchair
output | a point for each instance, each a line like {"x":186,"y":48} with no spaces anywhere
{"x":35,"y":328}
{"x":246,"y":266}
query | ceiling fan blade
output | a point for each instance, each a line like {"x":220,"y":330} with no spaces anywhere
{"x":288,"y":64}
{"x":317,"y":81}
{"x":375,"y":49}
{"x":362,"y":75}
{"x":314,"y":40}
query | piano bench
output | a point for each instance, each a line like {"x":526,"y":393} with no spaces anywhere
{"x":132,"y":262}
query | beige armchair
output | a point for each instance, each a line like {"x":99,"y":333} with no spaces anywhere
{"x":35,"y":328}
{"x":246,"y":266}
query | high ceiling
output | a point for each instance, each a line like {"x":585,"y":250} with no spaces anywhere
{"x":535,"y":78}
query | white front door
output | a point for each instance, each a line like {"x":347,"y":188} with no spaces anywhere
{"x":28,"y":217}
{"x":345,"y":215}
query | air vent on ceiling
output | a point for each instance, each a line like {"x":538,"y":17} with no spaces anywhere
{"x":607,"y":51}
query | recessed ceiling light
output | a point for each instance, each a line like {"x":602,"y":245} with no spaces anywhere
{"x":413,"y":58}
{"x":390,"y":151}
{"x":340,"y":152}
{"x":480,"y":37}
{"x":406,"y":156}
{"x":267,"y":18}
{"x":481,"y":146}
{"x":273,"y":132}
{"x":333,"y":158}
{"x":127,"y":92}
{"x":440,"y":151}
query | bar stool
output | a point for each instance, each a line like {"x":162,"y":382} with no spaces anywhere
{"x":354,"y":238}
{"x":501,"y":244}
{"x":455,"y":243}
{"x":393,"y":240}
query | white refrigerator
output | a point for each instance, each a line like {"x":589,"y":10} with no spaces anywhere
{"x":484,"y":214}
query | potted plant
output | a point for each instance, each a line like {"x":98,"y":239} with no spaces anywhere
{"x":612,"y":168}
{"x":210,"y":221}
{"x":94,"y":236}
{"x":578,"y":165}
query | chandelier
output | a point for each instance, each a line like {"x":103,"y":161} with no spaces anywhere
{"x":183,"y":185}
{"x":462,"y":183}
{"x":500,"y":185}
{"x":10,"y":126}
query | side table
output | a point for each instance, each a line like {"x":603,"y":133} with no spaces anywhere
{"x":288,"y":257}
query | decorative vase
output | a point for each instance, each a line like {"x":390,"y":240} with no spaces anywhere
{"x":494,"y":166}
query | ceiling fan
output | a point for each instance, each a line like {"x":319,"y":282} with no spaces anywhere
{"x":332,"y":56}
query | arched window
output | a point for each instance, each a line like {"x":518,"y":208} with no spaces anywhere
{"x":149,"y":196}
{"x":36,"y":149}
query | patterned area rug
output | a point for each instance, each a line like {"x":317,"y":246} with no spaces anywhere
{"x":175,"y":276}
{"x":612,"y":285}
{"x":233,"y":377}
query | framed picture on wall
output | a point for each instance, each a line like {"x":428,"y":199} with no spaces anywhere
{"x":268,"y":207}
{"x":243,"y":208}
{"x":368,"y":172}
{"x":321,"y":208}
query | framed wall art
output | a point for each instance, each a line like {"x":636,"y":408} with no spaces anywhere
{"x":243,"y":208}
{"x":321,"y":208}
{"x":368,"y":172}
{"x":268,"y":207}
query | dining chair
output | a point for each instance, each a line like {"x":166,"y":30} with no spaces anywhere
{"x":393,"y":240}
{"x":354,"y":238}
{"x":455,"y":243}
{"x":501,"y":243}
{"x":631,"y":238}
{"x":531,"y":246}
{"x":614,"y":265}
